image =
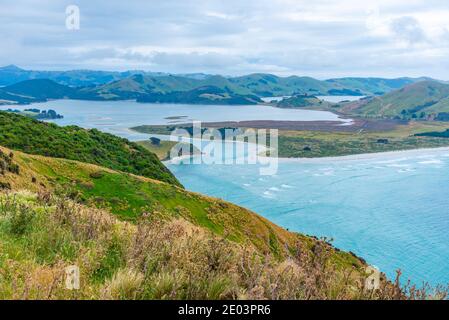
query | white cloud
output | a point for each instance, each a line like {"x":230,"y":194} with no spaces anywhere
{"x":322,"y":38}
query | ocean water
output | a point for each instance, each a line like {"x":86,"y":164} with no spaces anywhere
{"x":391,"y":209}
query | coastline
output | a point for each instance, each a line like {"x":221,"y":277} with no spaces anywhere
{"x":350,"y":157}
{"x":367,"y":156}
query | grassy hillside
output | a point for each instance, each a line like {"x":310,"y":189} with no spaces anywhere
{"x":267,"y":85}
{"x":30,"y":91}
{"x":167,"y":243}
{"x":141,"y":85}
{"x":129,"y":197}
{"x":41,"y":89}
{"x":155,"y":87}
{"x":92,"y":146}
{"x":41,"y":235}
{"x":422,"y":100}
{"x":201,"y":95}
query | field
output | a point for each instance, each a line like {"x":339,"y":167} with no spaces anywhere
{"x":314,"y":139}
{"x":311,"y":144}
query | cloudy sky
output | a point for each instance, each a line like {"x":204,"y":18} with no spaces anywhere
{"x":319,"y":38}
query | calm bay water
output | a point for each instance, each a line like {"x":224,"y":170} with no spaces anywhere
{"x":334,"y":99}
{"x":391,"y":209}
{"x":337,"y":99}
{"x":117,"y":116}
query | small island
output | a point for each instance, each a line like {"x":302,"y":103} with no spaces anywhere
{"x":38,"y":114}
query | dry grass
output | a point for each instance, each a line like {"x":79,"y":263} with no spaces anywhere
{"x":158,"y":260}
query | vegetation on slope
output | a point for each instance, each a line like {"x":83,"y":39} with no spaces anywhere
{"x":140,"y":86}
{"x":315,"y":144}
{"x":427,"y":100}
{"x":156,"y":87}
{"x":41,"y":235}
{"x":71,"y":142}
{"x":374,"y":86}
{"x":201,"y":95}
{"x":130,"y":197}
{"x":326,"y":141}
{"x":167,"y":244}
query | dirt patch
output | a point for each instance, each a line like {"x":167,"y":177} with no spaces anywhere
{"x":325,"y":126}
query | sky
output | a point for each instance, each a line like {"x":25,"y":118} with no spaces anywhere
{"x":320,"y":38}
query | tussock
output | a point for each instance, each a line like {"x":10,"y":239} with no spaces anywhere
{"x":41,"y":235}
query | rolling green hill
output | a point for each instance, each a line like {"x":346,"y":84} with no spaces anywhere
{"x":421,"y":100}
{"x":160,"y":87}
{"x":141,"y":85}
{"x":41,"y":89}
{"x":11,"y":98}
{"x":201,"y":95}
{"x":167,"y":242}
{"x":268,"y":85}
{"x":92,"y":146}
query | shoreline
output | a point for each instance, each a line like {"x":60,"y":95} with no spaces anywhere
{"x":349,"y":157}
{"x":367,"y":156}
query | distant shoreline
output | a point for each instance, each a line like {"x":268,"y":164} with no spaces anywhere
{"x":367,"y":156}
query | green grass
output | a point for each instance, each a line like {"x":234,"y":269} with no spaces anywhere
{"x":130,"y":197}
{"x":71,"y":142}
{"x":156,"y":259}
{"x":296,"y":144}
{"x":425,"y":99}
{"x":163,"y":242}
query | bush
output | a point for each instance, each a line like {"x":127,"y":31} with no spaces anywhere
{"x":96,"y":174}
{"x":18,"y":216}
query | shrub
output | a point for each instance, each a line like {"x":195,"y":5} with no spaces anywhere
{"x":125,"y":285}
{"x":96,"y":174}
{"x":18,"y":216}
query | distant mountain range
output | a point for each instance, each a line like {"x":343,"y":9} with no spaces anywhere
{"x":262,"y":85}
{"x":400,"y":98}
{"x":78,"y":78}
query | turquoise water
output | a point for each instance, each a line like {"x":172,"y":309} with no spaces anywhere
{"x":390,"y":209}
